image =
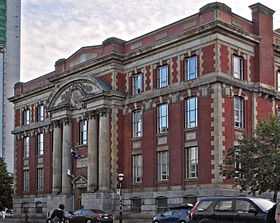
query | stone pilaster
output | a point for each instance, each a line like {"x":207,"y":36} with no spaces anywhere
{"x":104,"y":151}
{"x":92,"y":153}
{"x":56,"y":187}
{"x":66,"y":156}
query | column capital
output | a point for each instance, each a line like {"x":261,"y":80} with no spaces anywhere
{"x":56,"y":123}
{"x":91,"y":114}
{"x":103,"y":111}
{"x":66,"y":121}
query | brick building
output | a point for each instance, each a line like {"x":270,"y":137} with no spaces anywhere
{"x":162,"y":108}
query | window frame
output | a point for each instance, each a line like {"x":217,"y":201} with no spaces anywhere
{"x":137,"y":168}
{"x":26,"y":180}
{"x":235,"y":73}
{"x":189,"y":111}
{"x":161,"y":117}
{"x":189,"y":173}
{"x":163,"y":165}
{"x":240,"y":122}
{"x":40,"y":113}
{"x":137,"y":131}
{"x":40,"y":179}
{"x":83,"y":132}
{"x":278,"y":80}
{"x":40,"y":144}
{"x":135,"y":79}
{"x":26,"y":119}
{"x":26,"y":147}
{"x":187,"y":68}
{"x":160,"y":83}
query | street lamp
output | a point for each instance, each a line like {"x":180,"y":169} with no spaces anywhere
{"x":120,"y":180}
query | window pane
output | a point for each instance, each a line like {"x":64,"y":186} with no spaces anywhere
{"x":83,"y":132}
{"x":163,"y":76}
{"x":26,"y":147}
{"x":238,"y":112}
{"x":278,"y":80}
{"x":191,"y":160}
{"x":191,"y":112}
{"x":137,"y":84}
{"x":137,"y":168}
{"x":163,"y":166}
{"x":163,"y":118}
{"x":238,"y":67}
{"x":40,"y":144}
{"x":191,"y":65}
{"x":137,"y":123}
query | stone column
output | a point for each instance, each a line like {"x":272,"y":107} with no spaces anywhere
{"x":104,"y":151}
{"x":92,"y":154}
{"x":66,"y":156}
{"x":56,"y":187}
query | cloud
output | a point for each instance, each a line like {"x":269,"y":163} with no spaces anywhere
{"x":53,"y":29}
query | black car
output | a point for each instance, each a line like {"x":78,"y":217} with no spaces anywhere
{"x":174,"y":215}
{"x":90,"y":216}
{"x":233,"y":210}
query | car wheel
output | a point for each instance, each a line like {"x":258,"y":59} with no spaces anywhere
{"x":156,"y":221}
{"x":89,"y":221}
{"x":182,"y":221}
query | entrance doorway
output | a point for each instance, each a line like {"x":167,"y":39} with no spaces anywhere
{"x":80,"y":187}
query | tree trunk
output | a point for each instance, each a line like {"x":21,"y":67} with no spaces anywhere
{"x":275,"y":196}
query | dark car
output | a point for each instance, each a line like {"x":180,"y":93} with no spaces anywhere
{"x":233,"y":210}
{"x":91,"y":216}
{"x":174,"y":215}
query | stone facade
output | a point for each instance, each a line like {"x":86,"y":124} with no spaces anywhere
{"x":101,"y":90}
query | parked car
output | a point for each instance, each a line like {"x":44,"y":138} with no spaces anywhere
{"x":91,"y":216}
{"x":174,"y":215}
{"x":233,"y":210}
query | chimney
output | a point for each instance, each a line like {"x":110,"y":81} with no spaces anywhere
{"x":262,"y":18}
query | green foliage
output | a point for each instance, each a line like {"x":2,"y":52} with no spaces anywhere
{"x":254,"y":164}
{"x":5,"y":186}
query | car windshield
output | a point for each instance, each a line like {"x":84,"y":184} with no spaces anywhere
{"x":263,"y":204}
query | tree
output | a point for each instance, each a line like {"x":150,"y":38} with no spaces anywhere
{"x":254,"y":164}
{"x":6,"y":182}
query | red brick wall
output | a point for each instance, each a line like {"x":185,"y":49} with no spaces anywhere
{"x":33,"y":165}
{"x":208,"y":59}
{"x":19,"y":166}
{"x":149,"y":154}
{"x":148,"y":78}
{"x":121,"y":81}
{"x":176,"y":143}
{"x":174,"y":69}
{"x":17,"y":118}
{"x":264,"y":108}
{"x":224,"y":57}
{"x":204,"y":139}
{"x":48,"y":142}
{"x":106,"y":78}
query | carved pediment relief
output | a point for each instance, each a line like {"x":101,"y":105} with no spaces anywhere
{"x":72,"y":93}
{"x":80,"y":182}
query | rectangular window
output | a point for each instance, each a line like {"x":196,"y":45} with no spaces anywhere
{"x":191,"y":68}
{"x":137,"y":123}
{"x":278,"y":81}
{"x":163,"y":118}
{"x":137,"y":163}
{"x":40,"y":113}
{"x":40,"y":144}
{"x":238,"y":112}
{"x":40,"y":179}
{"x":26,"y":147}
{"x":163,"y":76}
{"x":26,"y":117}
{"x":137,"y":84}
{"x":191,"y":112}
{"x":163,"y":166}
{"x":26,"y":181}
{"x":191,"y":161}
{"x":238,"y":67}
{"x":83,"y":132}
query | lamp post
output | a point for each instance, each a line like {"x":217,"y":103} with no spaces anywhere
{"x":120,"y":180}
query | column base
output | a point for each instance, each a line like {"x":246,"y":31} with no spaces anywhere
{"x":105,"y":201}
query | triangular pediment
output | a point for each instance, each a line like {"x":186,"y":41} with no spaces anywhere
{"x":73,"y":93}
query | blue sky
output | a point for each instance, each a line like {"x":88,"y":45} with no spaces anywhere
{"x":54,"y":29}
